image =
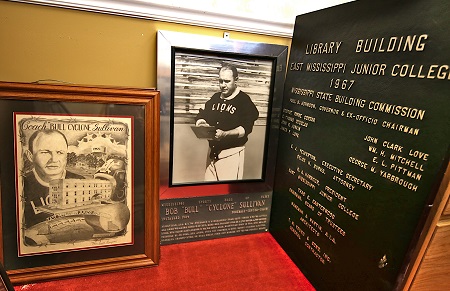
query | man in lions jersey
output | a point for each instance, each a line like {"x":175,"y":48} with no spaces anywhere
{"x":233,"y":115}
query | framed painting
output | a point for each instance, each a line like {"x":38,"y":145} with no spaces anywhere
{"x":220,"y":102}
{"x":79,"y":180}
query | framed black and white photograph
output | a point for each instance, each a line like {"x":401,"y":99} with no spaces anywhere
{"x":79,"y":180}
{"x":219,"y":103}
{"x":224,"y":102}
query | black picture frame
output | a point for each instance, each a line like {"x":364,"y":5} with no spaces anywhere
{"x":188,"y":67}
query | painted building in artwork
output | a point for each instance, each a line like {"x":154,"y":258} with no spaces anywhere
{"x":67,"y":193}
{"x":100,"y":152}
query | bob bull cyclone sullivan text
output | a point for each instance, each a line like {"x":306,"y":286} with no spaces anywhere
{"x":74,"y":180}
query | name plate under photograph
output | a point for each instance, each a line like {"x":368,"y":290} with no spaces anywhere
{"x":364,"y":140}
{"x":199,"y":218}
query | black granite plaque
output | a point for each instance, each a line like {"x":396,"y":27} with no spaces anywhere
{"x":200,"y":218}
{"x":364,"y":139}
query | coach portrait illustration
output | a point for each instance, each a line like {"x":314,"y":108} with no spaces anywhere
{"x":47,"y":151}
{"x":232,"y":114}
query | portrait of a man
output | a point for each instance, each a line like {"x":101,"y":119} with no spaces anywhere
{"x":47,"y":152}
{"x":232,"y":114}
{"x":220,"y":116}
